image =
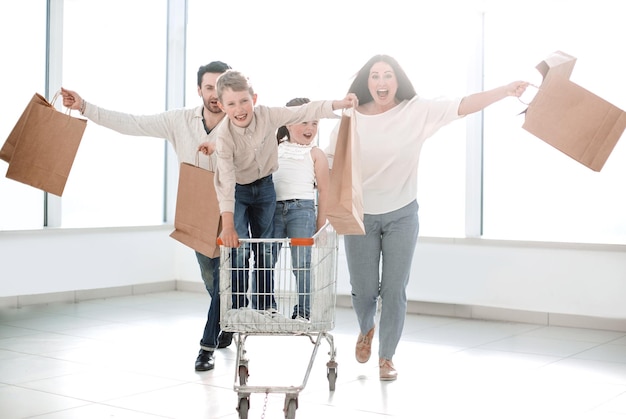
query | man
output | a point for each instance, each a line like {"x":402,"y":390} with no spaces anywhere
{"x":185,"y":129}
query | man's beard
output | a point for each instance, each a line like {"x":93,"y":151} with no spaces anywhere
{"x":213,"y":108}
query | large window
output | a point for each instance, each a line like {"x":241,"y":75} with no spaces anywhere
{"x":533,"y":191}
{"x":314,"y":51}
{"x":23,"y":73}
{"x":116,"y":60}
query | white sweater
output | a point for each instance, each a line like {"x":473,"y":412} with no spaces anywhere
{"x":390,"y":145}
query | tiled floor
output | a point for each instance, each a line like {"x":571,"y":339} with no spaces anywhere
{"x":132,"y":358}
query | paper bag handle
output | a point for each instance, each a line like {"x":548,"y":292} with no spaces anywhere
{"x":520,"y":99}
{"x":197,"y":164}
{"x":68,"y":111}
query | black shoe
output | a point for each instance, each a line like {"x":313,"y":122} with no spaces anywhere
{"x":205,"y":360}
{"x":224,"y":340}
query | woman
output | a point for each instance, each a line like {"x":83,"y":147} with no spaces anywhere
{"x":392,"y":124}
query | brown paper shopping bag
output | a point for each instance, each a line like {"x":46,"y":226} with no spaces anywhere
{"x":345,"y":200}
{"x":570,"y":118}
{"x":42,"y":146}
{"x":197,"y":221}
{"x":9,"y":145}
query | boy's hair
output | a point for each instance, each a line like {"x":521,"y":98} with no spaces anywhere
{"x":283,"y":133}
{"x":359,"y":85}
{"x":212,"y":67}
{"x":234,"y":81}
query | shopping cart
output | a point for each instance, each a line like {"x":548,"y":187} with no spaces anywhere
{"x":287,"y":287}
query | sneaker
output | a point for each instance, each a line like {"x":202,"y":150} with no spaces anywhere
{"x":364,"y":346}
{"x":224,"y":340}
{"x":386,"y":370}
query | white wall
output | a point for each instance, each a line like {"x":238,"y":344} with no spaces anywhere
{"x":584,"y":280}
{"x":57,"y":260}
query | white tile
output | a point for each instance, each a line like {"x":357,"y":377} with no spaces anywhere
{"x":98,"y":385}
{"x":132,"y":357}
{"x":29,"y":368}
{"x":189,"y":401}
{"x":469,"y":333}
{"x":39,"y":343}
{"x":55,"y":323}
{"x":12,"y":331}
{"x":98,"y":411}
{"x":608,"y":352}
{"x":20,"y":403}
{"x":600,"y":371}
{"x":571,"y":333}
{"x":539,"y":345}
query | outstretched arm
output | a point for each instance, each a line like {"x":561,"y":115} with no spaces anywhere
{"x":479,"y":101}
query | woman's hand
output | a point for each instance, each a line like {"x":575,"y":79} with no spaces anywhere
{"x":517,"y":88}
{"x":71,"y":99}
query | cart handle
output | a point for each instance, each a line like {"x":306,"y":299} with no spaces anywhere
{"x":296,"y":241}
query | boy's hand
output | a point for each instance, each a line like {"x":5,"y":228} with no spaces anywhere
{"x":350,"y":101}
{"x":229,"y":237}
{"x":207,"y":147}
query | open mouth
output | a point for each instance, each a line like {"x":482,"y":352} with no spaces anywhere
{"x":241,"y":118}
{"x":382,"y":93}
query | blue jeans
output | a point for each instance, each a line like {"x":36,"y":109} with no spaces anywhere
{"x":254,"y":215}
{"x":210,"y":271}
{"x":389,"y":238}
{"x":295,"y":218}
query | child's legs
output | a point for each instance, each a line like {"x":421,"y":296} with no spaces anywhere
{"x":240,"y":256}
{"x":261,"y":209}
{"x":301,"y":222}
{"x":301,"y":263}
{"x":261,"y":206}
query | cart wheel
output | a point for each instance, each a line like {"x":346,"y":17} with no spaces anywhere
{"x":290,"y":410}
{"x":244,"y":406}
{"x":243,"y":375}
{"x":332,"y":378}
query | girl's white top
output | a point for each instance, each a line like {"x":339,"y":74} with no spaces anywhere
{"x":295,"y":177}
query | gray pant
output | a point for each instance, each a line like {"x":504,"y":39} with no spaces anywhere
{"x":393,"y":236}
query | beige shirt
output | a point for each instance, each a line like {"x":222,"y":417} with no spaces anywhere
{"x":183,"y":128}
{"x":245,"y":155}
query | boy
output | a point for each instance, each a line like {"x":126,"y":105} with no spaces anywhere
{"x":247,"y":155}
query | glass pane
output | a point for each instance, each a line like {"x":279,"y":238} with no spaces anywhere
{"x":532,"y":190}
{"x":116,"y":60}
{"x":315,"y":51}
{"x":23,"y":75}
